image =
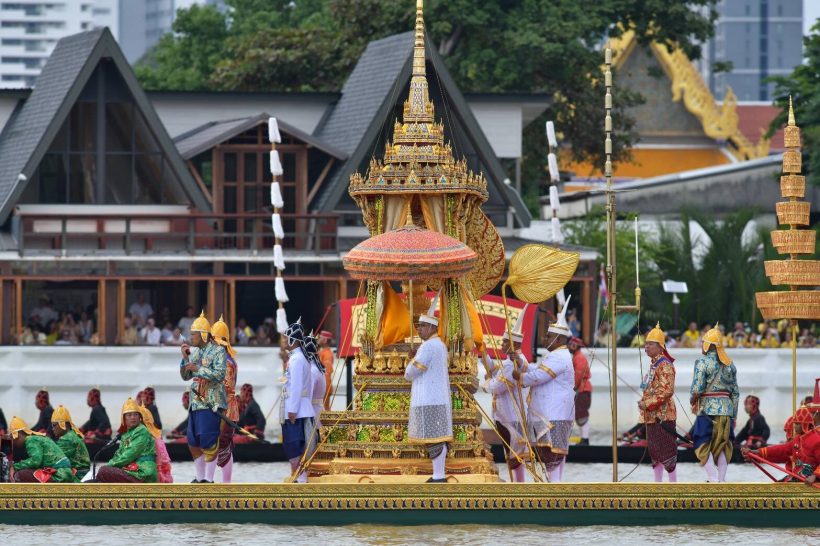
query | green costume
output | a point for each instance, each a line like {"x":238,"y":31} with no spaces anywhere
{"x":44,"y":453}
{"x":137,"y":446}
{"x":74,"y":448}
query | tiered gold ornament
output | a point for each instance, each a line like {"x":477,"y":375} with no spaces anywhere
{"x":418,"y":184}
{"x":796,"y":273}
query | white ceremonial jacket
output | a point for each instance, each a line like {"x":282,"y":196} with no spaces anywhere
{"x":298,"y":387}
{"x":506,"y":402}
{"x":552,"y":383}
{"x":318,"y":387}
{"x":429,"y":374}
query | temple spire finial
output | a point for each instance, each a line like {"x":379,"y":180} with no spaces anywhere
{"x":792,"y":123}
{"x":418,"y":44}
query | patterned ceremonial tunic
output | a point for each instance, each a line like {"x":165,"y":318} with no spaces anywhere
{"x":207,"y":390}
{"x":431,"y":408}
{"x":230,"y":389}
{"x":658,"y":390}
{"x":74,"y":448}
{"x":723,"y":395}
{"x":803,"y":452}
{"x":44,"y":453}
{"x":137,"y":454}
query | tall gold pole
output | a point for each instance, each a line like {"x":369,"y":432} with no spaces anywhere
{"x":794,"y":367}
{"x":610,"y":258}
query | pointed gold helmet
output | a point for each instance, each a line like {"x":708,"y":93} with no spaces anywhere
{"x":130,"y":406}
{"x":62,"y":417}
{"x":656,"y":335}
{"x":17,"y":425}
{"x":222,"y":335}
{"x":715,"y":337}
{"x":202,"y":326}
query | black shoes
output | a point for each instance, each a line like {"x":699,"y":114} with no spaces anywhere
{"x":433,"y":480}
{"x":200,"y":481}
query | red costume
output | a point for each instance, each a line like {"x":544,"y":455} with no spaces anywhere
{"x":802,"y":453}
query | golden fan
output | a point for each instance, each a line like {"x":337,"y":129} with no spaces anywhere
{"x":538,"y":272}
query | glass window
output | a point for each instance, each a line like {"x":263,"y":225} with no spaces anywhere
{"x":147,"y":178}
{"x":83,"y":127}
{"x":82,"y":178}
{"x":52,"y":174}
{"x":230,"y":167}
{"x":119,"y":174}
{"x":119,"y":124}
{"x":249,"y":160}
{"x":289,"y":167}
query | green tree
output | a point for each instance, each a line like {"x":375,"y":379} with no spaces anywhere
{"x":544,"y":46}
{"x":803,"y":85}
{"x":186,"y":59}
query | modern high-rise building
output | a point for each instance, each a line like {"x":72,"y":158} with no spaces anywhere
{"x":761,"y":38}
{"x":29,"y":30}
{"x":142,"y":24}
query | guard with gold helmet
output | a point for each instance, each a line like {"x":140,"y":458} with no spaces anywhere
{"x":70,"y":441}
{"x":715,"y":398}
{"x":657,"y":406}
{"x":135,"y":460}
{"x":204,"y":362}
{"x":221,"y":334}
{"x":46,"y":463}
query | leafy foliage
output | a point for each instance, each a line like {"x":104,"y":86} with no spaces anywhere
{"x":544,"y":46}
{"x":723,"y":270}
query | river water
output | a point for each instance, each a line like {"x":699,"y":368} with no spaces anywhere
{"x":223,"y":535}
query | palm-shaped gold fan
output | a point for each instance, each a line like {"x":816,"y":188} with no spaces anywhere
{"x":538,"y":272}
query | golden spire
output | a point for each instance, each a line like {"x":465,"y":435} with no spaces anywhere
{"x":791,"y":110}
{"x":418,"y":45}
{"x":418,"y":160}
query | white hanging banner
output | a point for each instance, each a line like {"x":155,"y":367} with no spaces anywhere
{"x":276,"y":222}
{"x":273,"y":131}
{"x":276,"y":195}
{"x":554,"y":202}
{"x":553,"y":165}
{"x":278,"y":258}
{"x":556,"y":231}
{"x":279,"y":289}
{"x":275,"y":164}
{"x":553,"y":142}
{"x":281,"y":321}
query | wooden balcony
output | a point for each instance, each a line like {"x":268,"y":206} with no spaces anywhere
{"x":86,"y":233}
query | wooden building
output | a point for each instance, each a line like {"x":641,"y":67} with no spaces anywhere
{"x":99,"y":204}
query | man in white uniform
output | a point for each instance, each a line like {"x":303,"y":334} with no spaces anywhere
{"x":431,"y":414}
{"x":297,"y":410}
{"x":508,"y":408}
{"x":551,"y":410}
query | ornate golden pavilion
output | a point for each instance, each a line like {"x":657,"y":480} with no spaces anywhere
{"x":419,"y":181}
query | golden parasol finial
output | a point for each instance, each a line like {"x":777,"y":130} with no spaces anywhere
{"x":792,"y":123}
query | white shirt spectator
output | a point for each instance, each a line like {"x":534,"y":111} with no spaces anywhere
{"x":142,"y":309}
{"x":44,"y":314}
{"x":150,"y":335}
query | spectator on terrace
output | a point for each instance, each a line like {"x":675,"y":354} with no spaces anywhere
{"x":150,"y":335}
{"x":185,"y":322}
{"x":86,"y":327}
{"x":44,"y":313}
{"x":244,"y":333}
{"x":142,"y":309}
{"x":129,"y":333}
{"x":176,"y":338}
{"x":691,"y":336}
{"x":167,"y":332}
{"x":66,"y":338}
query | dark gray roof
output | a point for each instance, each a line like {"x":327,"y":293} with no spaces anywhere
{"x":30,"y":132}
{"x":368,"y":97}
{"x":208,"y":135}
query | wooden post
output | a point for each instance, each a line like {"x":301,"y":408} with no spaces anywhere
{"x":232,"y":303}
{"x":120,"y":308}
{"x":101,"y":310}
{"x":586,"y":318}
{"x":211,"y":299}
{"x":18,"y":308}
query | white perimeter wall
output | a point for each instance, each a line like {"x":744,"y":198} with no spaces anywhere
{"x":69,"y":372}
